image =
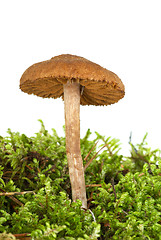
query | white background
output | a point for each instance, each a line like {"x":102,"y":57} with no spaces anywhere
{"x":122,"y":36}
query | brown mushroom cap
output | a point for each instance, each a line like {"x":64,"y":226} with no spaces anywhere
{"x":46,"y":79}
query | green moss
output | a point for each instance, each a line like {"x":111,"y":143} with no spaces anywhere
{"x":123,"y":192}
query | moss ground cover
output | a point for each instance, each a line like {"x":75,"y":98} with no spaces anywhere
{"x":124,"y":193}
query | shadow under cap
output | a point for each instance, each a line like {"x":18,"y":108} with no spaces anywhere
{"x":99,"y":86}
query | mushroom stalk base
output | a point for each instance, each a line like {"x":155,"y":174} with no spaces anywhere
{"x":72,"y":127}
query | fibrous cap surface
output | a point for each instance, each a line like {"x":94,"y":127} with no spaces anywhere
{"x":99,"y":86}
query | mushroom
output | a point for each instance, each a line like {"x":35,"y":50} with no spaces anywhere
{"x":78,"y":81}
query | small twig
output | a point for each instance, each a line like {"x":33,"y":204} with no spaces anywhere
{"x":90,"y":151}
{"x":125,"y":212}
{"x":22,"y":235}
{"x":94,"y":185}
{"x":89,"y":162}
{"x":141,"y":174}
{"x":93,"y":216}
{"x":94,"y":219}
{"x":13,"y":198}
{"x":15,"y":193}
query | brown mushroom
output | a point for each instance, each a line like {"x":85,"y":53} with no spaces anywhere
{"x":78,"y":81}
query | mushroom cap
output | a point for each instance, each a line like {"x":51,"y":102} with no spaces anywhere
{"x":46,"y":79}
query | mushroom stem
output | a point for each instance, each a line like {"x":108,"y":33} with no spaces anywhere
{"x":72,"y":127}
